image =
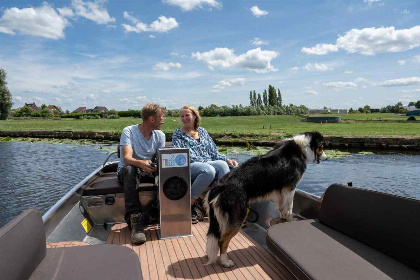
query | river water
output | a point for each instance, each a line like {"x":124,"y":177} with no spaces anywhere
{"x":37,"y":175}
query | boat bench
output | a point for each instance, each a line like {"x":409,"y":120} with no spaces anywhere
{"x":23,"y":255}
{"x":360,"y":234}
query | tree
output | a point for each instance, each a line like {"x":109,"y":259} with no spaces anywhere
{"x":279,"y":99}
{"x":412,"y":103}
{"x":265,"y":99}
{"x":254,"y":97}
{"x":251,"y":101}
{"x":43,"y":106}
{"x":417,"y":104}
{"x":259,"y":101}
{"x":272,"y":96}
{"x":5,"y":97}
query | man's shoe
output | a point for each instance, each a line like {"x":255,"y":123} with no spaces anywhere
{"x":194,"y":218}
{"x":137,"y":229}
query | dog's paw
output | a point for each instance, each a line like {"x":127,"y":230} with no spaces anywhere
{"x":227,"y":263}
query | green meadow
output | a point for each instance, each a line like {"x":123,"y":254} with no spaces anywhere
{"x":261,"y":127}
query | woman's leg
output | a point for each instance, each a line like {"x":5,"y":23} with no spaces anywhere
{"x":221,"y":167}
{"x":202,"y":174}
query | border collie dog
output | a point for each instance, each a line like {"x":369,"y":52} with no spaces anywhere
{"x":272,"y":176}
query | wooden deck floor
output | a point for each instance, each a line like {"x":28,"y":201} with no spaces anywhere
{"x":185,"y":257}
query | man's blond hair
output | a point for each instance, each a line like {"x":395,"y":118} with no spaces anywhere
{"x":197,"y":121}
{"x":150,"y":110}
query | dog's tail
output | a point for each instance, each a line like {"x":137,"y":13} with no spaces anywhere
{"x":213,"y":235}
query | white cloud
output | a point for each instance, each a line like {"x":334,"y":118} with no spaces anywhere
{"x":162,"y":66}
{"x":401,"y":62}
{"x":400,"y":82}
{"x":416,"y":59}
{"x":126,"y":15}
{"x":295,"y":69}
{"x":65,"y":12}
{"x":370,"y":2}
{"x":317,"y":67}
{"x":188,"y":5}
{"x":340,"y":85}
{"x":320,"y":49}
{"x":312,"y":92}
{"x":369,"y":41}
{"x":257,"y":12}
{"x":258,"y":42}
{"x":43,"y":21}
{"x":94,"y":11}
{"x":152,"y":36}
{"x":254,"y":60}
{"x":163,"y":24}
{"x":228,"y":83}
{"x":359,"y":80}
{"x":348,"y":72}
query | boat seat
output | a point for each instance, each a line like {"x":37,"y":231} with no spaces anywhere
{"x":24,"y":255}
{"x":108,"y":183}
{"x":360,"y":234}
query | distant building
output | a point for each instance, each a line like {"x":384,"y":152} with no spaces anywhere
{"x":326,"y":111}
{"x":54,"y":108}
{"x":80,"y":110}
{"x":100,"y":109}
{"x":32,"y":106}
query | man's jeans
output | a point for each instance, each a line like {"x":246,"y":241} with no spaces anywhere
{"x":203,"y":173}
{"x":130,"y":179}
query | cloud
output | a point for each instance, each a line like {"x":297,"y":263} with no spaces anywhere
{"x":162,"y":66}
{"x":257,"y":12}
{"x":400,"y":82}
{"x":371,"y":2}
{"x":126,"y":15}
{"x":152,"y":36}
{"x":258,"y":42}
{"x":312,"y":92}
{"x":340,"y":85}
{"x":228,"y":83}
{"x":416,"y":59}
{"x":188,"y":5}
{"x":348,"y":72}
{"x":254,"y":60}
{"x":94,"y":11}
{"x":370,"y":41}
{"x":66,"y":12}
{"x":163,"y":24}
{"x":401,"y":62}
{"x":317,"y":67}
{"x":43,"y":21}
{"x":320,"y":49}
{"x":359,"y":80}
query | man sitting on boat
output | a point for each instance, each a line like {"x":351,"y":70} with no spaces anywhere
{"x":138,"y":144}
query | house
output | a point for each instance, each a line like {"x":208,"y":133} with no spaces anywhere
{"x":54,"y":108}
{"x":99,"y":109}
{"x":33,"y":106}
{"x":80,"y":110}
{"x":328,"y":111}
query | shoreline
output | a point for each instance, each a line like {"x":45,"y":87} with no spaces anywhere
{"x":357,"y":142}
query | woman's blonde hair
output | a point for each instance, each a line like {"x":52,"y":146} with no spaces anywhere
{"x":197,"y":121}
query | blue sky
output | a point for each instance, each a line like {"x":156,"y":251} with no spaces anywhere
{"x":124,"y":54}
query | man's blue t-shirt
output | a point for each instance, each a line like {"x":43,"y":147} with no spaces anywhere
{"x":143,"y":149}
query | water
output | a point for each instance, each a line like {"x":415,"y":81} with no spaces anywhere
{"x":37,"y":175}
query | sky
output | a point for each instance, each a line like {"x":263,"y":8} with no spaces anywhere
{"x":124,"y":54}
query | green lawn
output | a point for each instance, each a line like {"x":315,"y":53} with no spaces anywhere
{"x":252,"y":125}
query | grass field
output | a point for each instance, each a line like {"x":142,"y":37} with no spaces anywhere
{"x":255,"y":126}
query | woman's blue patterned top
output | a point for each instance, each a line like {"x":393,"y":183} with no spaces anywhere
{"x":200,"y":151}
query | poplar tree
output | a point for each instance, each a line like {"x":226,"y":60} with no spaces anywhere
{"x":279,"y":99}
{"x":272,"y":96}
{"x":259,"y":101}
{"x":265,"y":99}
{"x":5,"y":97}
{"x":255,"y":99}
{"x":251,"y":101}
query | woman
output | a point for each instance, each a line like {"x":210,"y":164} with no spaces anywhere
{"x":206,"y":162}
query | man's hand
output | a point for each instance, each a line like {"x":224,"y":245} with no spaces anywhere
{"x":233,"y":163}
{"x":147,"y":167}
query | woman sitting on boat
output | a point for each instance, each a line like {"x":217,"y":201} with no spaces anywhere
{"x":206,"y":164}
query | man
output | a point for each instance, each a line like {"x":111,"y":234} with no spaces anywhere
{"x":138,"y":145}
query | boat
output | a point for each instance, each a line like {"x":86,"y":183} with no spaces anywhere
{"x":323,"y":236}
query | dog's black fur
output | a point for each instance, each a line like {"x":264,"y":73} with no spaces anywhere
{"x":270,"y":176}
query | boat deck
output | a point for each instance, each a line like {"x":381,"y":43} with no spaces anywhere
{"x":185,"y":257}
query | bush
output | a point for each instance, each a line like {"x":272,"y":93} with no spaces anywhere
{"x":130,"y":113}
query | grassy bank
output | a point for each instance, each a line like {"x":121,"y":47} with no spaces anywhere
{"x":256,"y":126}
